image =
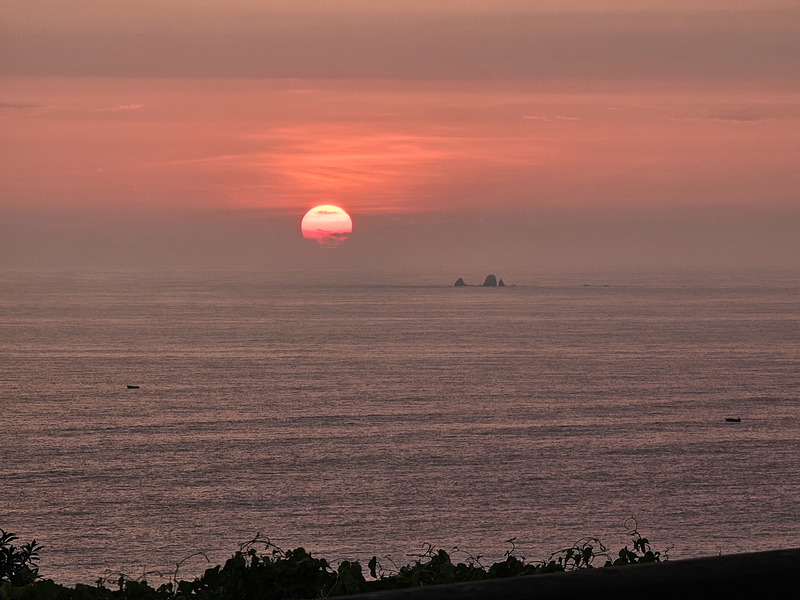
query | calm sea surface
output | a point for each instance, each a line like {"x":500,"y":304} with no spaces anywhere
{"x":360,"y":418}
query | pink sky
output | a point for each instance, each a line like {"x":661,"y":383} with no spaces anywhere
{"x":599,"y":135}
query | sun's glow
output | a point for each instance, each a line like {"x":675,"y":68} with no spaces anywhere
{"x":327,"y":225}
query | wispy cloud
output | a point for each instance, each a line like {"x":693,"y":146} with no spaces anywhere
{"x":9,"y":107}
{"x":548,"y":118}
{"x":13,"y":106}
{"x":121,"y":108}
{"x":744,"y":113}
{"x":741,"y":117}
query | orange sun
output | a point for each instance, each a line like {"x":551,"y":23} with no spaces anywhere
{"x":327,"y":225}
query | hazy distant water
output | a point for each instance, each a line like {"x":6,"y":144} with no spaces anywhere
{"x":368,"y":419}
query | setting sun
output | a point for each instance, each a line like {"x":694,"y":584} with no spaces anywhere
{"x":327,"y":225}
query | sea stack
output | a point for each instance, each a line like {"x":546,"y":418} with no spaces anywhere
{"x":490,"y":281}
{"x":501,"y":283}
{"x":460,"y":283}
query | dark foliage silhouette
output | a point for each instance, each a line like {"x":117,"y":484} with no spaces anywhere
{"x":275,"y":574}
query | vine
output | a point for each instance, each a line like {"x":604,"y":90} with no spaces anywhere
{"x":260,"y":569}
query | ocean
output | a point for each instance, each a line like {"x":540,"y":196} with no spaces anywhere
{"x":359,"y":416}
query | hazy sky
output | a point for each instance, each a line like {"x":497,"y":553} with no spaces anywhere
{"x":515,"y":135}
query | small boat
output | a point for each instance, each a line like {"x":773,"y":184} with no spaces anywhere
{"x":733,"y":419}
{"x":133,"y":387}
